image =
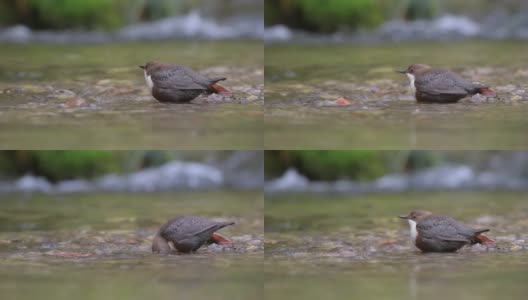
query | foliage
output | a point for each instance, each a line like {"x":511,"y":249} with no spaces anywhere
{"x":75,"y":164}
{"x":332,"y":165}
{"x":421,"y":9}
{"x":73,"y":13}
{"x":271,"y":13}
{"x":329,"y":15}
{"x":324,"y":15}
{"x":332,"y":15}
{"x":421,"y":159}
{"x":361,"y":165}
{"x":86,"y":14}
{"x":328,"y":165}
{"x":109,"y":14}
{"x":58,"y":165}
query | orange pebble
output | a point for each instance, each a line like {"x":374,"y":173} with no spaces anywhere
{"x":342,"y":101}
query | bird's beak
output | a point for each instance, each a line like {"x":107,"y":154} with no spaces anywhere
{"x":404,"y":217}
{"x":403,"y":72}
{"x":142,"y":67}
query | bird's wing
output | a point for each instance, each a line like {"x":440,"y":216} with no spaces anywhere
{"x":182,"y":227}
{"x":435,"y":84}
{"x":180,"y":78}
{"x":444,"y":228}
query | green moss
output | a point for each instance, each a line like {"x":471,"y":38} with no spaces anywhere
{"x":6,"y":15}
{"x":325,"y":15}
{"x":328,"y":165}
{"x":58,"y":164}
{"x":421,"y":9}
{"x":332,"y":165}
{"x":271,"y":13}
{"x":329,"y":15}
{"x":77,"y":13}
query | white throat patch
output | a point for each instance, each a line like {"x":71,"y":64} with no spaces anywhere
{"x":150,"y":84}
{"x":414,"y":232}
{"x":411,"y":79}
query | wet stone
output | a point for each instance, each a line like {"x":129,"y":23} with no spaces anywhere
{"x":218,"y":248}
{"x":62,"y":94}
{"x":48,"y":245}
{"x":75,"y":102}
{"x":242,"y":238}
{"x":27,"y":89}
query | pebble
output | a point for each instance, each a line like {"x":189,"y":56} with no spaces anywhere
{"x":75,"y":102}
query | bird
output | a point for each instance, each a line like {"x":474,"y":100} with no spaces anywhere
{"x":179,"y":84}
{"x":187,"y":234}
{"x":440,"y":233}
{"x":441,"y":86}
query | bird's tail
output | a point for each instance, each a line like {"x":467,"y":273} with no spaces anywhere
{"x":486,"y":91}
{"x":481,"y":231}
{"x":218,"y":89}
{"x":482,"y":239}
{"x":219,"y":239}
{"x":217,"y":79}
{"x":224,"y":224}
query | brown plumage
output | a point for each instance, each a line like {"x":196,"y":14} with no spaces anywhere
{"x":439,"y":233}
{"x":188,"y":234}
{"x":442,"y":86}
{"x":179,"y":84}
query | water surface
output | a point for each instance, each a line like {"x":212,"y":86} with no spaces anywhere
{"x":98,"y":246}
{"x":328,"y":246}
{"x":303,"y":81}
{"x":94,"y":96}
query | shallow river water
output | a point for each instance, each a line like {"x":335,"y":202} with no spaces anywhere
{"x":95,"y":96}
{"x":303,"y":81}
{"x":339,"y":247}
{"x":97,"y":246}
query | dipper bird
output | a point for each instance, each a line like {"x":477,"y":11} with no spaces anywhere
{"x":187,"y":234}
{"x":179,"y":84}
{"x":439,"y":233}
{"x":437,"y":85}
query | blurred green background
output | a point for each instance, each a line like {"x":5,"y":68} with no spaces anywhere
{"x":332,"y":15}
{"x":365,"y":165}
{"x":56,"y":165}
{"x":53,"y":243}
{"x":110,"y":14}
